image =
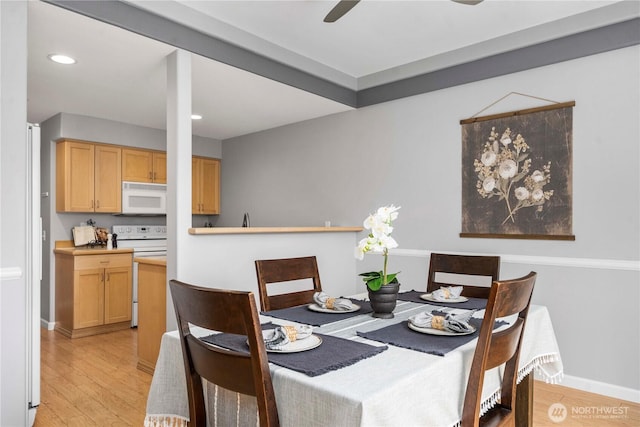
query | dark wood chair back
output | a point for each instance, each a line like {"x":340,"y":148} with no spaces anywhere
{"x":507,"y":298}
{"x":247,"y":373}
{"x":472,"y":265}
{"x":272,"y":271}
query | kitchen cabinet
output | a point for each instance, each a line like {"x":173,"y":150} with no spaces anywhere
{"x":152,"y":308}
{"x":93,"y":291}
{"x":205,"y":187}
{"x":88,"y":177}
{"x":144,"y":166}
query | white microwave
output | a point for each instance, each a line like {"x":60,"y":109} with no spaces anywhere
{"x":142,"y":198}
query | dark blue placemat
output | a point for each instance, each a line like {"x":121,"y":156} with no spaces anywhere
{"x":472,"y":304}
{"x":302,"y":314}
{"x":334,"y":353}
{"x":401,"y":335}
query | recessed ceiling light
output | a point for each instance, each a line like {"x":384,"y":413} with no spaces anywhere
{"x":196,"y":117}
{"x":61,"y":59}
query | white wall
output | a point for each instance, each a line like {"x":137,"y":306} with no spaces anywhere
{"x":227,"y":261}
{"x":13,"y":214}
{"x":408,"y":152}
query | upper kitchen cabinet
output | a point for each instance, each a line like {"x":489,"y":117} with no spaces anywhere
{"x":88,"y":177}
{"x":205,"y":188}
{"x":144,"y":166}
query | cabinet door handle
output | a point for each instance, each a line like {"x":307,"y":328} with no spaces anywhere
{"x":97,"y":204}
{"x":102,"y":280}
{"x":150,"y":175}
{"x":91,"y":204}
{"x":108,"y":276}
{"x":155,"y":176}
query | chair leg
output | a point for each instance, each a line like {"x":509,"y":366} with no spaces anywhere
{"x":524,"y":401}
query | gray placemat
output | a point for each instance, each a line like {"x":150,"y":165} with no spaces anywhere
{"x":472,"y":304}
{"x":401,"y":335}
{"x":302,"y":314}
{"x":334,"y":353}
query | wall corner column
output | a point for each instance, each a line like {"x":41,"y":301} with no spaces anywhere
{"x":179,"y":147}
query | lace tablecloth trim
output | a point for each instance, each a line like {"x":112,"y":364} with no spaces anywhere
{"x":536,"y":364}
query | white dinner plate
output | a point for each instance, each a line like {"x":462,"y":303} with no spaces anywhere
{"x":429,"y":297}
{"x":316,"y":307}
{"x":432,"y":331}
{"x":312,"y":341}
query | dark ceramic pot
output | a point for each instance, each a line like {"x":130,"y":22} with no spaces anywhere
{"x":383,"y":301}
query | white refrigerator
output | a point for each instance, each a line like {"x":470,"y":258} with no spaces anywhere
{"x":33,"y":270}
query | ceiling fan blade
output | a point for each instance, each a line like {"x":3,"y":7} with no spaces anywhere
{"x":340,"y":9}
{"x":469,"y":2}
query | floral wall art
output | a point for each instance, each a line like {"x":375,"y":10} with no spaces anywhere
{"x":516,"y":174}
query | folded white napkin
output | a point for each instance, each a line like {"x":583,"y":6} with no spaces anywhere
{"x":337,"y":304}
{"x":277,"y":338}
{"x":447,"y":292}
{"x":451,"y":322}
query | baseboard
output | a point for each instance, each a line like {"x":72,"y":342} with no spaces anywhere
{"x":598,"y":387}
{"x":49,"y":326}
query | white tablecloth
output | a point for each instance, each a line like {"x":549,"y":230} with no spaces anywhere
{"x":398,"y":387}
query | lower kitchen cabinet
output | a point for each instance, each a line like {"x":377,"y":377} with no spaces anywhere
{"x":93,"y":291}
{"x":152,"y":308}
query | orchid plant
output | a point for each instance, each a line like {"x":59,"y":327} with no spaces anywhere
{"x":380,"y":241}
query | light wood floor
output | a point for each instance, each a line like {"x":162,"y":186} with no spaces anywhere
{"x":93,"y":381}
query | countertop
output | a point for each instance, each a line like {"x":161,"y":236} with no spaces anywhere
{"x":266,"y":230}
{"x":151,"y":260}
{"x":85,"y":250}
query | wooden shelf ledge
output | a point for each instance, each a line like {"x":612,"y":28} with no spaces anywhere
{"x":270,"y":230}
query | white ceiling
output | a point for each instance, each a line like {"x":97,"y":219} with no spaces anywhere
{"x":121,"y":76}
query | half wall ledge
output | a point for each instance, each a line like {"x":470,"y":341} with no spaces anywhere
{"x":269,"y":230}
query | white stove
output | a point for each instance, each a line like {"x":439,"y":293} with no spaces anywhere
{"x":146,"y":241}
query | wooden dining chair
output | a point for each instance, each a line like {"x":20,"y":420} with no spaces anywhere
{"x":507,"y":298}
{"x":461,"y":266}
{"x":246,"y":373}
{"x":272,"y":271}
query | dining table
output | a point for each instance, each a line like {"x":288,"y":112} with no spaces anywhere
{"x":366,"y":371}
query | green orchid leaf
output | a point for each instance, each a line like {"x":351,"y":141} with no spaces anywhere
{"x":371,"y":274}
{"x":375,"y":283}
{"x":391,"y":278}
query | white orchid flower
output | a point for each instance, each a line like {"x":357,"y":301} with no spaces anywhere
{"x":388,"y":242}
{"x":359,"y":253}
{"x":381,"y":229}
{"x":388,"y":213}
